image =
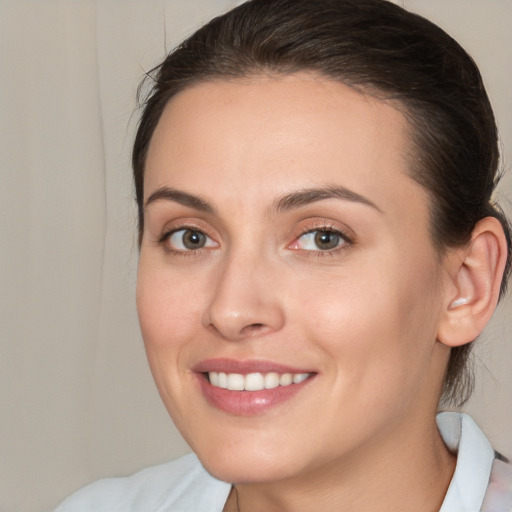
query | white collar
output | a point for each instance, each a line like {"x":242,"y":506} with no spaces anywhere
{"x":475,"y":456}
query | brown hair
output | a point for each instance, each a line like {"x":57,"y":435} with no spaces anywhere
{"x":378,"y":49}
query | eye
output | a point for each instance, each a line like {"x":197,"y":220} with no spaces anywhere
{"x":319,"y":240}
{"x":188,"y":240}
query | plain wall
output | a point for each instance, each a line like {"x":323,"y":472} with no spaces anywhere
{"x":76,"y":396}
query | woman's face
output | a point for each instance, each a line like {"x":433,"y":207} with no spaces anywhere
{"x":284,"y":241}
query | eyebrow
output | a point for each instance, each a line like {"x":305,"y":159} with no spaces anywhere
{"x":287,"y":202}
{"x":178,"y":196}
{"x":304,"y":197}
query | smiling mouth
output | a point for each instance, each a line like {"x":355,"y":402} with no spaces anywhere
{"x":249,"y":388}
{"x":254,"y":381}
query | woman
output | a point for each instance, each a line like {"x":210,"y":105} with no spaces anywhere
{"x":318,"y":250}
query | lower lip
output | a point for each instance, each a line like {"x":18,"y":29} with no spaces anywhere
{"x":248,"y":403}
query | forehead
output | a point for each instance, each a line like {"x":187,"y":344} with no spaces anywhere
{"x":268,"y":133}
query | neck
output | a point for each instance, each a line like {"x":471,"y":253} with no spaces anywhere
{"x":410,"y":470}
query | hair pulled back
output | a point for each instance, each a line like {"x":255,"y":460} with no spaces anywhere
{"x":379,"y":49}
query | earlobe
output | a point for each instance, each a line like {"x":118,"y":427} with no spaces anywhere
{"x":476,"y":271}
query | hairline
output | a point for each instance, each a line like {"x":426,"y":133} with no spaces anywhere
{"x":412,"y":152}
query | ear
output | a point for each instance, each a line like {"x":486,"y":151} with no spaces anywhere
{"x":475,"y":274}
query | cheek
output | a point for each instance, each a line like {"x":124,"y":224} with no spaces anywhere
{"x":167,"y":318}
{"x":349,"y":309}
{"x":166,"y":312}
{"x":378,"y":326}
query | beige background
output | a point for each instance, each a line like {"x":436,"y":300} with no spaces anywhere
{"x":77,"y":400}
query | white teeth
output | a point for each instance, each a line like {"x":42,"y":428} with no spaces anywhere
{"x":214,"y":378}
{"x":299,"y":377}
{"x":286,"y":379}
{"x":271,"y":380}
{"x":223,"y":380}
{"x":254,"y":381}
{"x":235,"y":382}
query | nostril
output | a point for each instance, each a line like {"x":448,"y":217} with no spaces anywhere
{"x":253,"y":329}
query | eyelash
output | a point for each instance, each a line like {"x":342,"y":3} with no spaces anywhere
{"x":164,"y":241}
{"x":346,"y":241}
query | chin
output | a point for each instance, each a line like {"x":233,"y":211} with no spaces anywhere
{"x":248,"y":464}
{"x":246,"y":470}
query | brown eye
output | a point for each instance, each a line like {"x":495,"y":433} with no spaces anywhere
{"x":189,"y":240}
{"x":326,"y":240}
{"x":193,"y":239}
{"x":320,"y":240}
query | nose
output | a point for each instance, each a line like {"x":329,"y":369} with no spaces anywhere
{"x":245,"y":300}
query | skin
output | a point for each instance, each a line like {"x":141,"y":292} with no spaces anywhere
{"x":363,"y":316}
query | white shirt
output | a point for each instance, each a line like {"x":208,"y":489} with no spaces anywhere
{"x":475,"y":456}
{"x":184,"y":485}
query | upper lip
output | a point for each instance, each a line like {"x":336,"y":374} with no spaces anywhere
{"x":245,"y":366}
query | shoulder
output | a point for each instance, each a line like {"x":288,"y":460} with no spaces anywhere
{"x":182,"y":485}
